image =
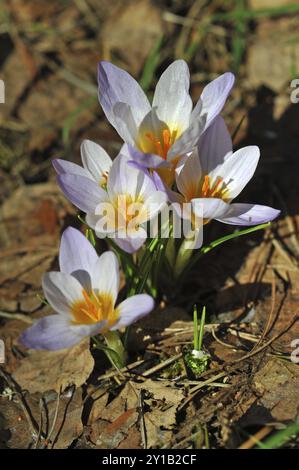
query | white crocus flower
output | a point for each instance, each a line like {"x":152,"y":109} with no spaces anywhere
{"x":214,"y":175}
{"x":96,"y":164}
{"x":158,"y":135}
{"x":118,"y":199}
{"x":83,"y":295}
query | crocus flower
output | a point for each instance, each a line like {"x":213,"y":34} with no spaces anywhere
{"x":160,"y":134}
{"x":128,"y":195}
{"x":96,"y":165}
{"x":83,"y":295}
{"x":214,"y":175}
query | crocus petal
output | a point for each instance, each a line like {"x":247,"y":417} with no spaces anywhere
{"x":181,"y":163}
{"x":116,"y":85}
{"x":215,"y":145}
{"x":210,"y":208}
{"x":160,"y":185}
{"x":130,"y":242}
{"x":125,"y":123}
{"x":63,"y":166}
{"x":56,"y":332}
{"x":238,"y":169}
{"x":105,"y":276}
{"x":127,"y":180}
{"x":155,"y":203}
{"x":189,"y":178}
{"x":172,"y":196}
{"x":76,"y":252}
{"x":81,"y":191}
{"x":61,"y":290}
{"x":171,"y":98}
{"x":120,"y":177}
{"x":249,"y":214}
{"x":214,"y":96}
{"x":91,"y":220}
{"x":132,"y":309}
{"x":189,"y":139}
{"x":96,"y":160}
{"x":138,"y":166}
{"x":148,"y":160}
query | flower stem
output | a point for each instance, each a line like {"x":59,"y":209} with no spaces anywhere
{"x":115,"y":344}
{"x":195,"y":327}
{"x":182,"y":259}
{"x":201,"y":329}
{"x":186,"y":262}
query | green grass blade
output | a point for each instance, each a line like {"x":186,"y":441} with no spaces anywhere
{"x":281,"y":437}
{"x":151,"y":64}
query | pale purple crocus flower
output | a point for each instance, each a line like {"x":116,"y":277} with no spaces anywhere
{"x":96,"y":165}
{"x":110,"y":207}
{"x":131,"y":201}
{"x":159,"y":134}
{"x":213,"y":175}
{"x":83,"y":295}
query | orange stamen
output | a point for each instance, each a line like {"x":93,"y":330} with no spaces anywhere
{"x":206,"y":186}
{"x":162,"y":147}
{"x":93,"y":308}
{"x":216,"y":186}
{"x":215,"y":190}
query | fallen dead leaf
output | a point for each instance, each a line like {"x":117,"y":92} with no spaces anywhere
{"x":42,"y":371}
{"x":68,"y":426}
{"x":131,"y":32}
{"x":277,"y":385}
{"x":64,"y":422}
{"x":272,"y":53}
{"x":117,"y":421}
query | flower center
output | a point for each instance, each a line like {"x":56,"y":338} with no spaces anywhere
{"x":217,"y":189}
{"x":103,"y":182}
{"x":157,"y":142}
{"x":162,"y":144}
{"x":205,"y":188}
{"x":93,"y":308}
{"x":130,"y":212}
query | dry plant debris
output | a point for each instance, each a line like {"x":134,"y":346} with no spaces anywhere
{"x":58,"y":400}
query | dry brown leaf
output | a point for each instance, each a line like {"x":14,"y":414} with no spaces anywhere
{"x":126,"y":399}
{"x":272,"y":53}
{"x":161,"y":391}
{"x":98,"y":405}
{"x":42,"y":110}
{"x":161,"y":418}
{"x":132,"y":31}
{"x":277,"y":384}
{"x":14,"y":429}
{"x":110,"y":435}
{"x":10,"y":333}
{"x":159,"y":425}
{"x":116,"y":426}
{"x":42,"y":371}
{"x":29,"y":239}
{"x":69,"y":425}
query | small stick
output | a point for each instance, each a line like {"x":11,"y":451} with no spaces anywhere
{"x":160,"y":366}
{"x":54,"y":419}
{"x":128,"y":368}
{"x":17,"y":316}
{"x":256,"y":437}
